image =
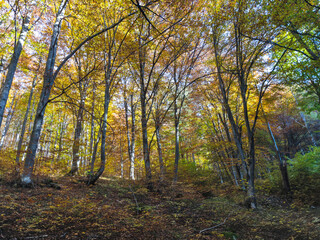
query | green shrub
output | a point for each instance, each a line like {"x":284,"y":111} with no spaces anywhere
{"x":304,"y":173}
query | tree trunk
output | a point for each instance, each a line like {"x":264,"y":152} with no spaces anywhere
{"x":77,"y":137}
{"x":93,"y":157}
{"x":92,"y":135}
{"x":63,"y":127}
{"x":24,"y":124}
{"x":251,"y":187}
{"x":48,"y":81}
{"x":159,"y":147}
{"x":177,"y":150}
{"x":226,"y":106}
{"x":131,"y":139}
{"x":48,"y":143}
{"x":121,"y":159}
{"x":5,"y":89}
{"x":282,"y":162}
{"x":35,"y":135}
{"x":220,"y":173}
{"x":8,"y":120}
{"x":54,"y":146}
{"x":29,"y":127}
{"x":94,"y":177}
{"x":234,"y":173}
{"x":145,"y":145}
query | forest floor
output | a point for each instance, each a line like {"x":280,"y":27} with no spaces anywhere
{"x":118,"y":209}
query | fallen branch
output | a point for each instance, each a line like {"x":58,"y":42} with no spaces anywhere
{"x":37,"y":237}
{"x":135,"y":199}
{"x":220,"y":224}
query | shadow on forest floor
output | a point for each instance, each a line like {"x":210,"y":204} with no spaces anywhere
{"x":119,"y":209}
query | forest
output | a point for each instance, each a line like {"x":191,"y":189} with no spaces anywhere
{"x":159,"y":119}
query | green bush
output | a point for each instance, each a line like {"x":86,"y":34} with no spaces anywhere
{"x":304,"y":173}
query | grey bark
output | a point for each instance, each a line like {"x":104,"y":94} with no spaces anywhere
{"x":30,"y":126}
{"x":282,"y":162}
{"x":92,"y":135}
{"x":131,"y":135}
{"x":133,"y":139}
{"x":181,"y":75}
{"x":235,"y":130}
{"x":8,"y":119}
{"x":24,"y":124}
{"x":220,"y":173}
{"x":54,"y":146}
{"x":159,"y":147}
{"x":242,"y":76}
{"x":62,"y":128}
{"x":93,"y":157}
{"x":144,"y":118}
{"x":78,"y":129}
{"x":233,"y":167}
{"x":121,"y":159}
{"x":48,"y":142}
{"x":176,"y":146}
{"x":94,"y":177}
{"x":49,"y":77}
{"x":48,"y":80}
{"x":144,"y":124}
{"x":5,"y":88}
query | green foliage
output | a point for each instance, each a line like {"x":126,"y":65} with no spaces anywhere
{"x":304,"y":173}
{"x":271,"y":182}
{"x":307,"y":165}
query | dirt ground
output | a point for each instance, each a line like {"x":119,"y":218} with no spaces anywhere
{"x":118,"y":209}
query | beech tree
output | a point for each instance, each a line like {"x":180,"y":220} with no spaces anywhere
{"x":24,"y":12}
{"x":83,"y":68}
{"x":113,"y":43}
{"x":130,"y":107}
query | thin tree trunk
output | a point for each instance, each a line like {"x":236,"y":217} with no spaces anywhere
{"x":93,"y":157}
{"x":226,"y":106}
{"x":131,"y":139}
{"x":63,"y":127}
{"x":282,"y":162}
{"x":86,"y":147}
{"x":220,"y":173}
{"x":242,"y":81}
{"x":48,"y":142}
{"x":308,"y":129}
{"x":77,"y":137}
{"x":96,"y":176}
{"x":24,"y":124}
{"x":92,"y":135}
{"x":121,"y":158}
{"x":29,"y":127}
{"x":145,"y":145}
{"x":251,"y":172}
{"x":226,"y":129}
{"x":177,"y":150}
{"x":8,"y":120}
{"x":54,"y":147}
{"x":144,"y":119}
{"x":234,"y":173}
{"x":159,"y":147}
